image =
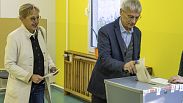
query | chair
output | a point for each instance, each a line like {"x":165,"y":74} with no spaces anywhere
{"x":3,"y":78}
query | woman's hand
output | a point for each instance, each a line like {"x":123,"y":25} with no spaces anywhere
{"x":36,"y":78}
{"x":54,"y":70}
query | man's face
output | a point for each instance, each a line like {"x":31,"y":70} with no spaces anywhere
{"x":31,"y":22}
{"x":129,"y":19}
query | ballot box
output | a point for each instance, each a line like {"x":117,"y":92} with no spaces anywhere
{"x":129,"y":90}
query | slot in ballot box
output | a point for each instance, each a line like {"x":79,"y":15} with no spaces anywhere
{"x":129,"y":90}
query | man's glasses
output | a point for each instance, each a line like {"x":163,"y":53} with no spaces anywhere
{"x":131,"y":17}
{"x":35,"y":18}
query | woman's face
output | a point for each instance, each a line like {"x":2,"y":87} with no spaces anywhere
{"x":31,"y":21}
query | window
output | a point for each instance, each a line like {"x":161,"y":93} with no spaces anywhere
{"x":102,"y":12}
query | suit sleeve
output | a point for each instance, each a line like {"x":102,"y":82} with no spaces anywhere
{"x":107,"y":61}
{"x":138,"y":54}
{"x":181,"y":66}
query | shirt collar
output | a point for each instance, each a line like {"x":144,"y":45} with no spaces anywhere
{"x":27,"y":33}
{"x":122,"y":28}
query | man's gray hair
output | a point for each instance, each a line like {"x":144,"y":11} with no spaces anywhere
{"x":131,"y":5}
{"x":25,"y":10}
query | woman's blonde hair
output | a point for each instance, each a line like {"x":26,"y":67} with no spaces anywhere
{"x":25,"y":10}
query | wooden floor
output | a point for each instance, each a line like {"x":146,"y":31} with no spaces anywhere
{"x":57,"y":97}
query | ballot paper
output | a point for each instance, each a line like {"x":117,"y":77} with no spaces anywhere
{"x":160,"y":81}
{"x":142,"y":73}
{"x":51,"y":74}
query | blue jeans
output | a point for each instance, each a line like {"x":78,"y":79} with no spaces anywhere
{"x":37,"y":93}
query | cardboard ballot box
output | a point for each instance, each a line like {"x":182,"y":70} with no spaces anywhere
{"x":129,"y":90}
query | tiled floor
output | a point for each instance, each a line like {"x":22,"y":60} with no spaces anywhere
{"x":2,"y":92}
{"x":57,"y":97}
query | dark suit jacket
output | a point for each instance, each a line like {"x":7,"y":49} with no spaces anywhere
{"x":111,"y":61}
{"x":181,"y":66}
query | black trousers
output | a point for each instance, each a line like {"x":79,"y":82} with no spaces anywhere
{"x":96,"y":99}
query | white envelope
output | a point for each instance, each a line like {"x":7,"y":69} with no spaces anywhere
{"x":142,"y":73}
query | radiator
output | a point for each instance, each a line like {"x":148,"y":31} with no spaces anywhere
{"x":77,"y":71}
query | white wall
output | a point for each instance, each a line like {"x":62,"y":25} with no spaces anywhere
{"x":9,"y":9}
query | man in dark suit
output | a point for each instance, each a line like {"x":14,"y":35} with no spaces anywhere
{"x":119,"y":46}
{"x":179,"y":77}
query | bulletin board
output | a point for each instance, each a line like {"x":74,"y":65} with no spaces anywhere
{"x":7,"y":25}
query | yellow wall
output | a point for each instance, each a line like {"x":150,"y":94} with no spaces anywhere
{"x":77,"y":31}
{"x":162,"y":41}
{"x":78,"y":26}
{"x":162,"y":37}
{"x":60,"y":39}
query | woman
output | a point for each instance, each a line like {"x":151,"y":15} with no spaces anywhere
{"x":27,"y":60}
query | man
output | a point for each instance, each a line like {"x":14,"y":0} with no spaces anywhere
{"x":27,"y":60}
{"x":119,"y":46}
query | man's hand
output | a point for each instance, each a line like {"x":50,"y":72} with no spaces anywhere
{"x":176,"y":79}
{"x":130,"y":67}
{"x":36,"y":78}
